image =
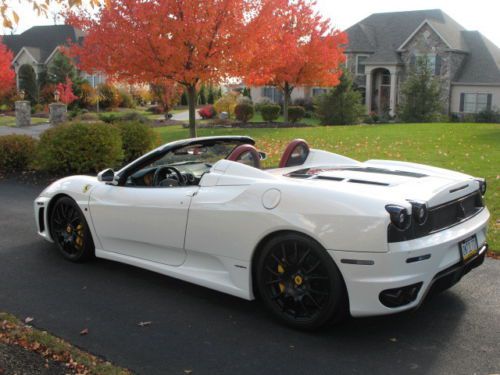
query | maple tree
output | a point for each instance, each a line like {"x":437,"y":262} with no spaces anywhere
{"x":189,"y":42}
{"x":65,"y":91}
{"x":299,"y":48}
{"x":7,"y":74}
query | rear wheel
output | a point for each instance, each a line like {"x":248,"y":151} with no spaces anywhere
{"x":299,"y":282}
{"x":70,"y":230}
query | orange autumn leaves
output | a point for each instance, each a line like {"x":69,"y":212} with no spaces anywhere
{"x":193,"y":41}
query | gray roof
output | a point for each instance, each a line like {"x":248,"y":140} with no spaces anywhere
{"x":42,"y":40}
{"x":482,"y":64}
{"x":382,"y":34}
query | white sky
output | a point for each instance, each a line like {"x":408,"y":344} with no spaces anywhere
{"x":481,"y":15}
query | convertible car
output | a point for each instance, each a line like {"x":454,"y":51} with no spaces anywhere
{"x":319,"y":237}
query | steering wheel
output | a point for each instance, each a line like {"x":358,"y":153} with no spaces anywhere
{"x":162,"y":172}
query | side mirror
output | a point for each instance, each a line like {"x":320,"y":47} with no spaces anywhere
{"x":263,"y":155}
{"x":107,"y":175}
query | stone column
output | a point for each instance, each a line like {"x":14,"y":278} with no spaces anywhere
{"x":392,"y":99}
{"x":23,"y":113}
{"x":368,"y":93}
{"x":58,"y":113}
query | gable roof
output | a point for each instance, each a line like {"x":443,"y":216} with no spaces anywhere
{"x":41,"y":41}
{"x":384,"y":33}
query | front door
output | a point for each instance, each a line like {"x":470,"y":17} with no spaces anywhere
{"x":147,"y":223}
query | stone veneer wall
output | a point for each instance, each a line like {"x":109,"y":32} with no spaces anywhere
{"x":426,"y":41}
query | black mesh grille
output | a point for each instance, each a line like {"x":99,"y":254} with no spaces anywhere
{"x":440,"y":217}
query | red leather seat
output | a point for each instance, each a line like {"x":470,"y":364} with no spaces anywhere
{"x":295,"y":153}
{"x":246,"y":154}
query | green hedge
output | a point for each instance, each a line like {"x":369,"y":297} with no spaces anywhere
{"x":296,"y":113}
{"x":137,"y":139}
{"x":243,"y":112}
{"x":16,"y":152}
{"x":79,"y":148}
{"x":270,"y":112}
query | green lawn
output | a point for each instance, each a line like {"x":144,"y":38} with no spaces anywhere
{"x":469,"y":148}
{"x":11,"y":120}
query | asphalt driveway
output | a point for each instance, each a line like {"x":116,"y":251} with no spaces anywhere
{"x":206,"y":332}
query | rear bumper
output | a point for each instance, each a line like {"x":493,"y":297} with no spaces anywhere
{"x":410,"y":270}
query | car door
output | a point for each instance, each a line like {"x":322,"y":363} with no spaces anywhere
{"x":147,"y":223}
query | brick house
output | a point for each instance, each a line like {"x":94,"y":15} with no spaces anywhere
{"x":383,"y":47}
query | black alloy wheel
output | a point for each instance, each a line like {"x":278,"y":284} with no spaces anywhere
{"x":299,"y":282}
{"x":70,"y":230}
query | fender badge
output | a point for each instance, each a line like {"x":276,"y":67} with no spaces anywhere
{"x":86,"y":188}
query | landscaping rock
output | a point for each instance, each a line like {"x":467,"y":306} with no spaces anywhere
{"x":23,"y":113}
{"x":58,"y":113}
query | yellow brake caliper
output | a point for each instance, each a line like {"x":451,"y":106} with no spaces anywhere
{"x":281,"y":270}
{"x":79,"y":237}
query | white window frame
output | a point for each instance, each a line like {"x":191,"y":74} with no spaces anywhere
{"x":357,"y":65}
{"x":476,"y":102}
{"x":324,"y":90}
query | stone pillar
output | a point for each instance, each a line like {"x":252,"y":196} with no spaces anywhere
{"x":392,"y":99}
{"x":58,"y":113}
{"x":23,"y":113}
{"x":368,"y":93}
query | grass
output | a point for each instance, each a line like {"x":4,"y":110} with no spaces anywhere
{"x":15,"y":332}
{"x":470,"y":148}
{"x":308,"y":121}
{"x":11,"y":121}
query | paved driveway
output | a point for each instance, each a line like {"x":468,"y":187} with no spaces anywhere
{"x":193,"y":328}
{"x":33,"y":131}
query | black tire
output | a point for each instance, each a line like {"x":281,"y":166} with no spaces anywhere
{"x":70,"y":231}
{"x":299,"y":282}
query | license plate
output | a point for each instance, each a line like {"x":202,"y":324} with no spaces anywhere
{"x":468,"y":248}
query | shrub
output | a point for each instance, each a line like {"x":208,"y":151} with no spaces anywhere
{"x":108,"y":118}
{"x":126,"y":100}
{"x":244,"y":112}
{"x":207,"y":112}
{"x":134,"y":116}
{"x":262,"y":102}
{"x":341,"y":105}
{"x":108,"y":96}
{"x":16,"y":152}
{"x":79,"y":148}
{"x":488,"y":115}
{"x":87,"y":95}
{"x":306,"y":103}
{"x":296,"y":113}
{"x":137,"y":139}
{"x":226,"y":104}
{"x":270,"y":112}
{"x":244,"y":100}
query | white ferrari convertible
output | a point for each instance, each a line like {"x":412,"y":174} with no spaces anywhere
{"x":318,"y":237}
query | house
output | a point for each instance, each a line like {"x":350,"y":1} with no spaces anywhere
{"x":383,"y":47}
{"x":37,"y":47}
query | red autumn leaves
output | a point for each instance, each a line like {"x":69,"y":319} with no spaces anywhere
{"x":7,"y":75}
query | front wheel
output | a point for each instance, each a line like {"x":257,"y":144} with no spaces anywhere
{"x":299,"y":282}
{"x":70,"y":230}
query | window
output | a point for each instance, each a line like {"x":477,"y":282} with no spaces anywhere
{"x":474,"y":103}
{"x":273,"y":93}
{"x":360,"y":64}
{"x":432,"y":61}
{"x":318,"y":91}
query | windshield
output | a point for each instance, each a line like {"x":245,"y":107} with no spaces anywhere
{"x":197,"y":154}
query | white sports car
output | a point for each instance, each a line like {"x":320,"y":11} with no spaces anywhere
{"x":321,"y":236}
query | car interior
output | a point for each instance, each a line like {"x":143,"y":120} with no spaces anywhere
{"x":187,"y":165}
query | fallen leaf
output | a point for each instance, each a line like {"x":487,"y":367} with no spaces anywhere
{"x":144,"y":324}
{"x":84,"y":332}
{"x":28,"y":319}
{"x":393,"y":339}
{"x":188,"y":371}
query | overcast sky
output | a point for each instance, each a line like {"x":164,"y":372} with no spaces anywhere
{"x":481,"y":15}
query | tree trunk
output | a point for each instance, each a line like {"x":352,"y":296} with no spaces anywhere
{"x":191,"y":96}
{"x":287,"y":94}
